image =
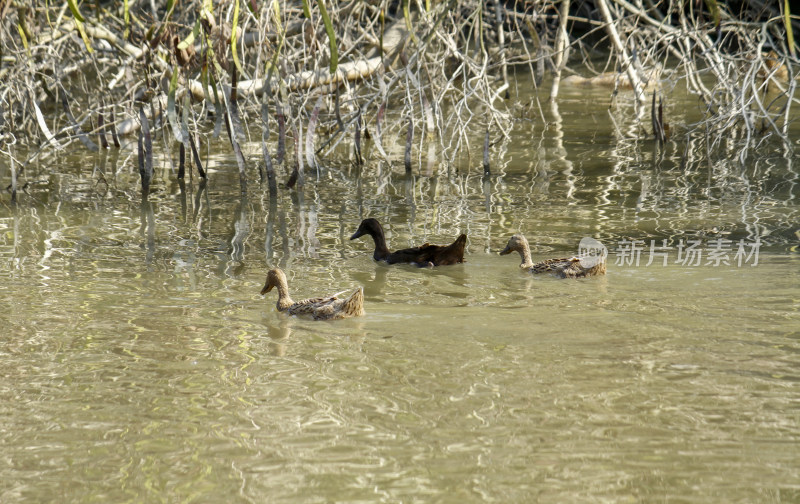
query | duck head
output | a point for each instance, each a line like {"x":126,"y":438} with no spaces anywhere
{"x":275,"y":278}
{"x":519,"y":244}
{"x":368,"y":226}
{"x":373,"y":228}
{"x":516,"y":243}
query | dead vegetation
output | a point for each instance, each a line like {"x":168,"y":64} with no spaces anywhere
{"x":433,"y":73}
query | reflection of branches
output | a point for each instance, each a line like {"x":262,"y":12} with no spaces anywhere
{"x":197,"y":216}
{"x":148,"y":229}
{"x":241,"y":230}
{"x":559,"y":150}
{"x":269,"y":239}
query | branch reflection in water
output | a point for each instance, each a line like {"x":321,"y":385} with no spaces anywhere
{"x":240,"y":231}
{"x":269,"y":235}
{"x":148,"y":229}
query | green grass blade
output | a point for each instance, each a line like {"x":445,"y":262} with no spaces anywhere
{"x":126,"y":16}
{"x":326,"y":20}
{"x":233,"y":37}
{"x":713,"y":8}
{"x":271,"y":65}
{"x":170,"y":8}
{"x":788,"y":22}
{"x":84,"y":36}
{"x":73,"y":6}
{"x":277,"y":8}
{"x":407,"y":17}
{"x":189,"y":40}
{"x":79,"y":20}
{"x":23,"y":37}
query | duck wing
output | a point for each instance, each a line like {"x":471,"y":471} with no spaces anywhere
{"x":411,"y":255}
{"x":431,"y":255}
{"x":568,"y":268}
{"x":352,"y":306}
{"x":332,"y":307}
{"x":451,"y":254}
{"x":577,"y":270}
{"x":309,"y":306}
{"x":556,"y":266}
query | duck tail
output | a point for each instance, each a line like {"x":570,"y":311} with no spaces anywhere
{"x":354,"y":305}
{"x":459,"y":245}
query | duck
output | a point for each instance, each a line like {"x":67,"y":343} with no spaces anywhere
{"x":426,"y":255}
{"x":650,"y":79}
{"x":321,"y":308}
{"x":774,"y":72}
{"x":562,"y":268}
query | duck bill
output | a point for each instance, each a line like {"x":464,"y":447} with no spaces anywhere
{"x":266,"y":289}
{"x":506,"y":250}
{"x":357,"y":234}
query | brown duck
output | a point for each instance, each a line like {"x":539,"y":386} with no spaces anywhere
{"x":563,"y":268}
{"x":424,"y":255}
{"x":323,"y":308}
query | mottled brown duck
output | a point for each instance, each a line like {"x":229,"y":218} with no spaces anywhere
{"x":775,"y":73}
{"x":425,"y":255}
{"x":564,"y":268}
{"x":322,"y":308}
{"x":650,"y":79}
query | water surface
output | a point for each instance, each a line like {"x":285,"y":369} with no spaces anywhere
{"x":140,"y":362}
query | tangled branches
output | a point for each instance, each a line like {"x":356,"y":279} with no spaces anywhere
{"x":741,"y":66}
{"x":441,"y":66}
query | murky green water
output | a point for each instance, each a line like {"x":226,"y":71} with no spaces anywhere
{"x":140,"y":364}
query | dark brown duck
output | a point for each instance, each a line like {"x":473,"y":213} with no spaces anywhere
{"x":424,"y":255}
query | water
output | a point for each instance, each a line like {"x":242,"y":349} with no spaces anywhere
{"x":140,"y":362}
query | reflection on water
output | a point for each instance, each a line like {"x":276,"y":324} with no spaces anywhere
{"x":141,"y":364}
